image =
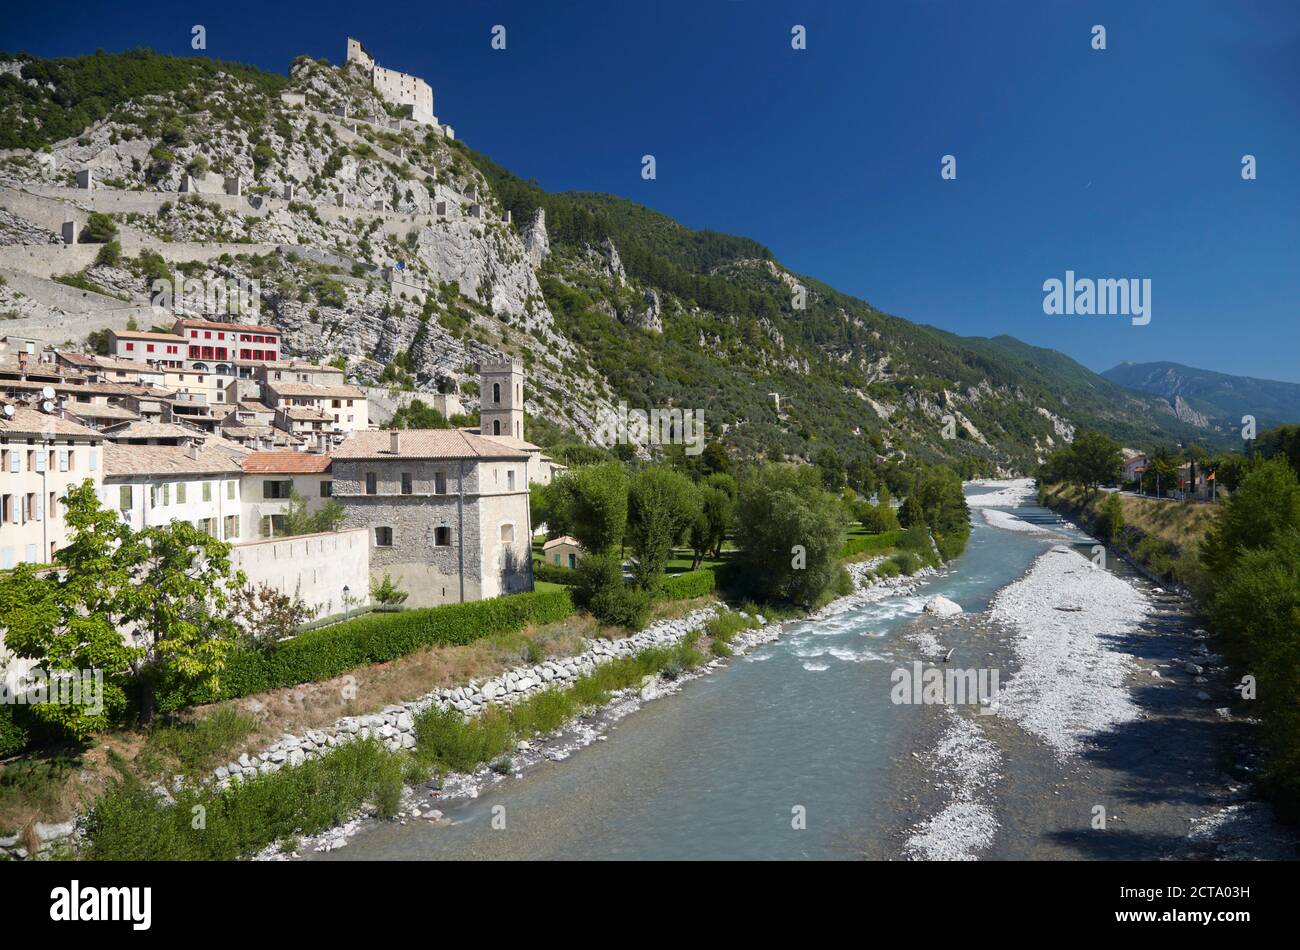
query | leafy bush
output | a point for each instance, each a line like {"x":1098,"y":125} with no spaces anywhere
{"x":599,"y":589}
{"x":99,"y":229}
{"x":907,"y":562}
{"x":130,"y":822}
{"x":110,"y":254}
{"x":1110,"y":521}
{"x":554,"y":574}
{"x":14,"y":734}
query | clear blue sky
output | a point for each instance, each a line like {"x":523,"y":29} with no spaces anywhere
{"x":1117,"y":163}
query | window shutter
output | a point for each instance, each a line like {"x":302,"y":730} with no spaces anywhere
{"x":40,"y":507}
{"x":40,"y":460}
{"x":63,"y":460}
{"x":94,"y":459}
{"x":15,"y":462}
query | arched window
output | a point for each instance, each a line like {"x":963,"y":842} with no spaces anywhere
{"x":496,"y":392}
{"x":496,"y":426}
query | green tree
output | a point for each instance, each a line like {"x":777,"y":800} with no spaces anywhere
{"x":1265,"y":506}
{"x":832,"y":469}
{"x":912,"y":512}
{"x":70,"y":620}
{"x":182,"y":582}
{"x":298,"y":520}
{"x":417,"y":414}
{"x":387,"y":593}
{"x":99,"y":229}
{"x":662,"y":504}
{"x":712,"y":522}
{"x":591,"y":502}
{"x":945,"y":511}
{"x":789,"y":532}
{"x":598,"y":588}
{"x":1095,"y":459}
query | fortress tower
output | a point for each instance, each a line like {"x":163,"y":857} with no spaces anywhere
{"x":357,"y":53}
{"x":501,"y":409}
{"x":399,"y":88}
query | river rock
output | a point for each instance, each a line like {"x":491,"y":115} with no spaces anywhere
{"x":942,"y":607}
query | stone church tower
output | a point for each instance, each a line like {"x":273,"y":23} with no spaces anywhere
{"x":501,"y":392}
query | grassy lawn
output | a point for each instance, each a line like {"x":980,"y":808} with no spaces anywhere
{"x":861,"y":544}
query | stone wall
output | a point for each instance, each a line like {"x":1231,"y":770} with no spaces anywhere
{"x":315,"y":566}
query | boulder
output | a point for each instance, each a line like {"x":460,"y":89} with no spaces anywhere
{"x":942,"y":607}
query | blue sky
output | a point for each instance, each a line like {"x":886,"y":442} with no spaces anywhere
{"x":1117,"y":163}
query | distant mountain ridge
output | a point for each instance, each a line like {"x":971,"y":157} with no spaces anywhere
{"x":1219,"y":399}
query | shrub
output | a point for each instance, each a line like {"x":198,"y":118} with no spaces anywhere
{"x":375,"y":638}
{"x":1110,"y":521}
{"x":110,"y":255}
{"x":554,"y":574}
{"x":444,"y":737}
{"x":99,"y":229}
{"x":130,"y":822}
{"x":599,"y":589}
{"x":722,"y":629}
{"x":14,"y":734}
{"x":907,"y":562}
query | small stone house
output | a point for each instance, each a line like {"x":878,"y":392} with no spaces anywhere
{"x":562,"y":552}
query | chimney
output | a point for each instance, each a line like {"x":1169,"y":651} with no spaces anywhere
{"x":396,"y":444}
{"x":192,"y":450}
{"x":22,"y":361}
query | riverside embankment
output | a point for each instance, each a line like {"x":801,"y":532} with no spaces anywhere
{"x":796,"y":750}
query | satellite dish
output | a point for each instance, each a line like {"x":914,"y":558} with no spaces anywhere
{"x":9,"y":410}
{"x":47,"y":406}
{"x":47,"y":392}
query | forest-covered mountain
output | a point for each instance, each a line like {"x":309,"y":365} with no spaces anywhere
{"x":605,"y":300}
{"x":1220,"y":398}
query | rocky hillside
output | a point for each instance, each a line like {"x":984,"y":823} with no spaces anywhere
{"x":414,"y":257}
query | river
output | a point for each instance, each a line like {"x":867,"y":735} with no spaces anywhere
{"x":725,"y":768}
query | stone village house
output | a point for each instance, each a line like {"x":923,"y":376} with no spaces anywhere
{"x":448,"y":511}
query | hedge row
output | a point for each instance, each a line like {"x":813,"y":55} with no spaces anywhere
{"x":375,"y":638}
{"x":554,"y":574}
{"x":691,"y":584}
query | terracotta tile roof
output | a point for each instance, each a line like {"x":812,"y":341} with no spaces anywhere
{"x":121,"y":461}
{"x":26,"y":421}
{"x":286,"y":463}
{"x":146,"y":429}
{"x":555,"y":542}
{"x":424,"y":443}
{"x":242,"y":434}
{"x":84,"y":410}
{"x":507,"y":440}
{"x":306,"y":414}
{"x":309,"y":391}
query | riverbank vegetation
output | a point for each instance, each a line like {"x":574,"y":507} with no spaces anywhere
{"x":1240,"y":559}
